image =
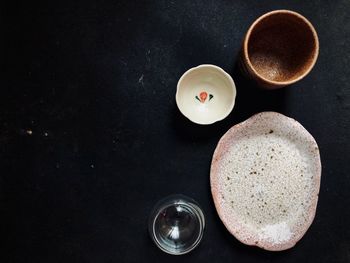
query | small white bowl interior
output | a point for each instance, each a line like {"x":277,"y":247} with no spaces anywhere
{"x":205,"y":94}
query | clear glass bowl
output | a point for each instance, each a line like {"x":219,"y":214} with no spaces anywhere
{"x":176,"y":224}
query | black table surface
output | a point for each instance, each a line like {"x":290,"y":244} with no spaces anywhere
{"x":91,"y":136}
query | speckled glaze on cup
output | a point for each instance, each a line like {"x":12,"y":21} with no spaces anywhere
{"x":205,"y":94}
{"x":280,"y":48}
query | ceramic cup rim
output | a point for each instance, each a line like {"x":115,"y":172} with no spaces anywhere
{"x":252,"y":27}
{"x":221,"y":71}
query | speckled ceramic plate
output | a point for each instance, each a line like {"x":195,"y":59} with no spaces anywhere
{"x":265,"y":179}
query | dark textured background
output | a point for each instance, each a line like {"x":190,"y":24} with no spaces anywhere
{"x":90,"y":136}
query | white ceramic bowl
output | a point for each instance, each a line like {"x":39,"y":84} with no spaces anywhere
{"x":205,"y":94}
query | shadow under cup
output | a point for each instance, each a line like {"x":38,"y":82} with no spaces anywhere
{"x":280,"y":48}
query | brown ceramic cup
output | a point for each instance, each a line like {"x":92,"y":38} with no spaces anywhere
{"x":280,"y":48}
